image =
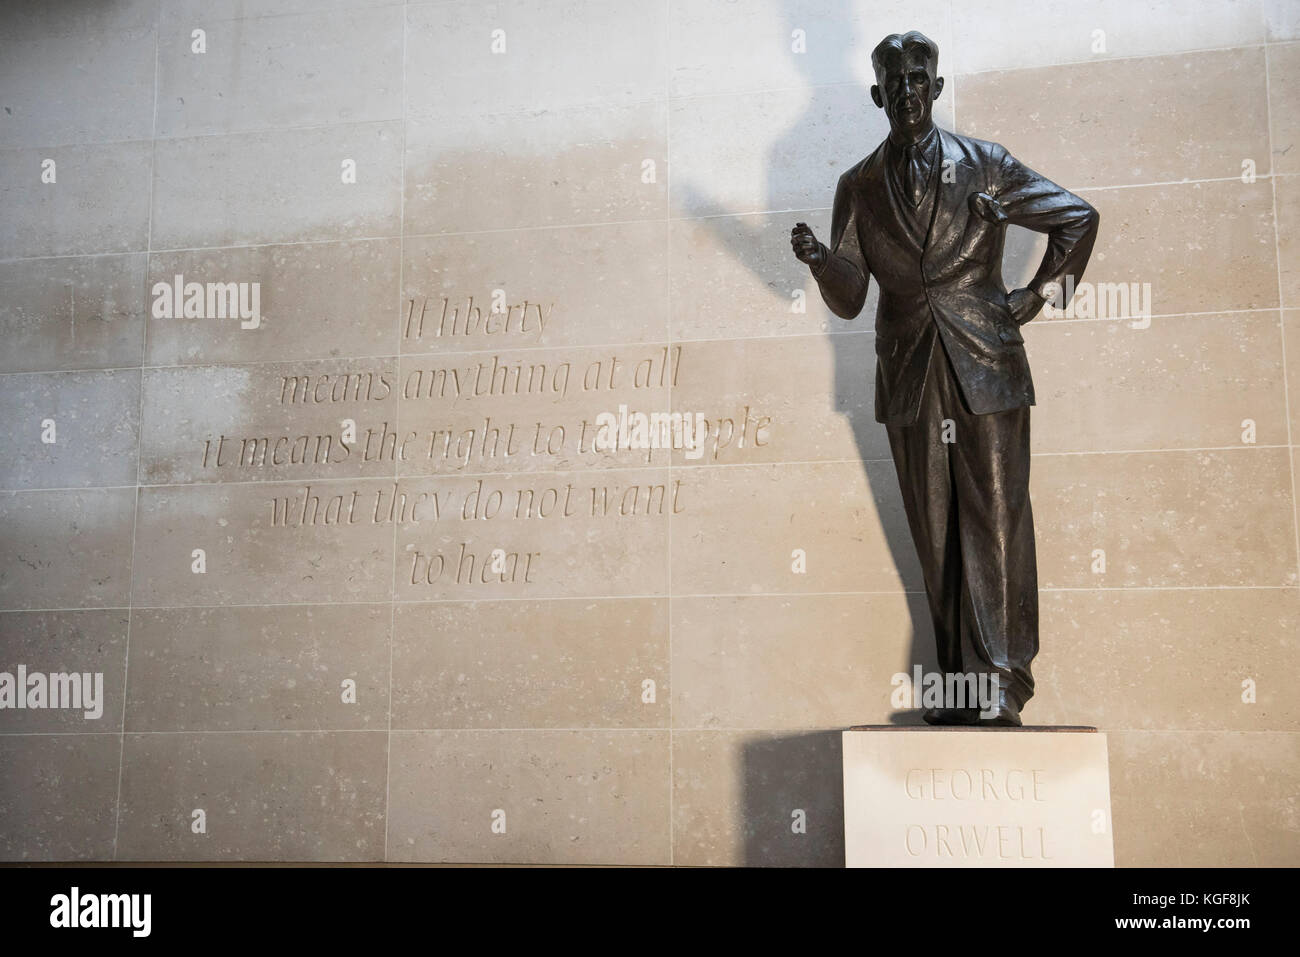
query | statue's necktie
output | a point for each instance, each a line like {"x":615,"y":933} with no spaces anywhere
{"x":913,"y":174}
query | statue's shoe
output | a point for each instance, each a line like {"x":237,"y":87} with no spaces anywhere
{"x":1007,"y":716}
{"x":951,"y":716}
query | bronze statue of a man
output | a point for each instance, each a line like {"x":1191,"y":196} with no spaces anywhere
{"x":926,"y":215}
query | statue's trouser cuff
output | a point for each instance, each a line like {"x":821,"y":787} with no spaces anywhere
{"x":965,"y":485}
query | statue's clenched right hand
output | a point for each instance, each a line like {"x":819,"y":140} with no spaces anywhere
{"x":806,"y":246}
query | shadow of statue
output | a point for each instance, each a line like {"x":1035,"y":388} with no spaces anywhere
{"x":785,"y":773}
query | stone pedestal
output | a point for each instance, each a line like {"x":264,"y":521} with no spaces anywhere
{"x":976,"y":797}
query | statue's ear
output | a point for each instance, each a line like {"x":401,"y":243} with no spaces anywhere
{"x":875,"y":97}
{"x":938,"y":86}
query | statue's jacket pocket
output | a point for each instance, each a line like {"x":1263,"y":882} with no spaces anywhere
{"x":977,"y":241}
{"x":1008,"y":332}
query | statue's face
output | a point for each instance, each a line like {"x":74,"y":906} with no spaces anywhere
{"x":906,"y":88}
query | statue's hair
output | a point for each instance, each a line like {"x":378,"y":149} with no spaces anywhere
{"x":911,"y":40}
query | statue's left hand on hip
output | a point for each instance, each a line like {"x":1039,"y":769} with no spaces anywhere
{"x":1025,"y":304}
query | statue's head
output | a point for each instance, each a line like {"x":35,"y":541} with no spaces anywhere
{"x":907,"y":81}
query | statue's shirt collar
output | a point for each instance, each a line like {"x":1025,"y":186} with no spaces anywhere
{"x":926,"y":145}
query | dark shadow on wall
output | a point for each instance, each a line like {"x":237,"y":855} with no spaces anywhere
{"x":783,"y":776}
{"x":852,"y":378}
{"x":783,"y":773}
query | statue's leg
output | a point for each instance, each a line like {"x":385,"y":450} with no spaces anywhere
{"x":996,"y":528}
{"x":924,"y":479}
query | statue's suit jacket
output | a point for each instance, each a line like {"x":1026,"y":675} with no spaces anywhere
{"x":951,"y":285}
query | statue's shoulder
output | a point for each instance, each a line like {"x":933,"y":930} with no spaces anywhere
{"x":857,"y":174}
{"x":980,"y":151}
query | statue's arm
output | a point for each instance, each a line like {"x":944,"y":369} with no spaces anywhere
{"x":842,"y":273}
{"x":1036,"y":203}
